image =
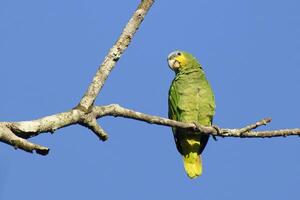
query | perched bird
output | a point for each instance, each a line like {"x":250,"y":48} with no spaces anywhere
{"x":191,"y":99}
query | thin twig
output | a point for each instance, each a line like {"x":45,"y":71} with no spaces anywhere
{"x":90,"y":122}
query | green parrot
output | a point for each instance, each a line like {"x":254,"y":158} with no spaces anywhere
{"x":191,"y":99}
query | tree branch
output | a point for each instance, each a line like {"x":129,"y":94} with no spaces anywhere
{"x":245,"y":132}
{"x":86,"y":114}
{"x":15,"y":133}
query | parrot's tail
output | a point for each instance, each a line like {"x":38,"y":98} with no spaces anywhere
{"x":192,"y":164}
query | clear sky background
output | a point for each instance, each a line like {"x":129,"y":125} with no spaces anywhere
{"x":250,"y":50}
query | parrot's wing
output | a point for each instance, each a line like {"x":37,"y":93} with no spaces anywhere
{"x":173,"y":110}
{"x":172,"y":102}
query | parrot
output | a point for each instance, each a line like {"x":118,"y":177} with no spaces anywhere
{"x":190,"y":100}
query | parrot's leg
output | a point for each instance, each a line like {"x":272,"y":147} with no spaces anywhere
{"x":214,"y":126}
{"x":198,"y":127}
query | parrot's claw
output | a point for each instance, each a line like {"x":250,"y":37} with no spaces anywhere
{"x":215,"y":138}
{"x":198,"y":127}
{"x":218,"y":131}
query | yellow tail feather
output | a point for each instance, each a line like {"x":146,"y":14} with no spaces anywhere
{"x":192,"y":164}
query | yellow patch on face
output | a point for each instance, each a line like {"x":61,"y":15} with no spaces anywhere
{"x":181,"y":59}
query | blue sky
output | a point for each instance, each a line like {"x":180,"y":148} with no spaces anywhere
{"x":250,"y":51}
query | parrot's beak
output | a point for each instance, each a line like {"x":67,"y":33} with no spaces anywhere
{"x":173,"y":64}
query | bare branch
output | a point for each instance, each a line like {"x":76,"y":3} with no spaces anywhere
{"x":260,"y":134}
{"x":246,"y":132}
{"x":254,"y":126}
{"x":86,"y":114}
{"x":13,"y":133}
{"x":27,"y":129}
{"x":118,"y":111}
{"x":8,"y":137}
{"x":114,"y":54}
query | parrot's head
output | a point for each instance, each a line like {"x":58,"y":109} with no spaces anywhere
{"x":180,"y":60}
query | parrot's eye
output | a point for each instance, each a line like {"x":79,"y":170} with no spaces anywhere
{"x":178,"y":54}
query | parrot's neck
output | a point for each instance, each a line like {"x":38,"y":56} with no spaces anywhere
{"x":189,"y":70}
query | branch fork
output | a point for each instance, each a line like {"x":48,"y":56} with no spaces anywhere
{"x":91,"y":123}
